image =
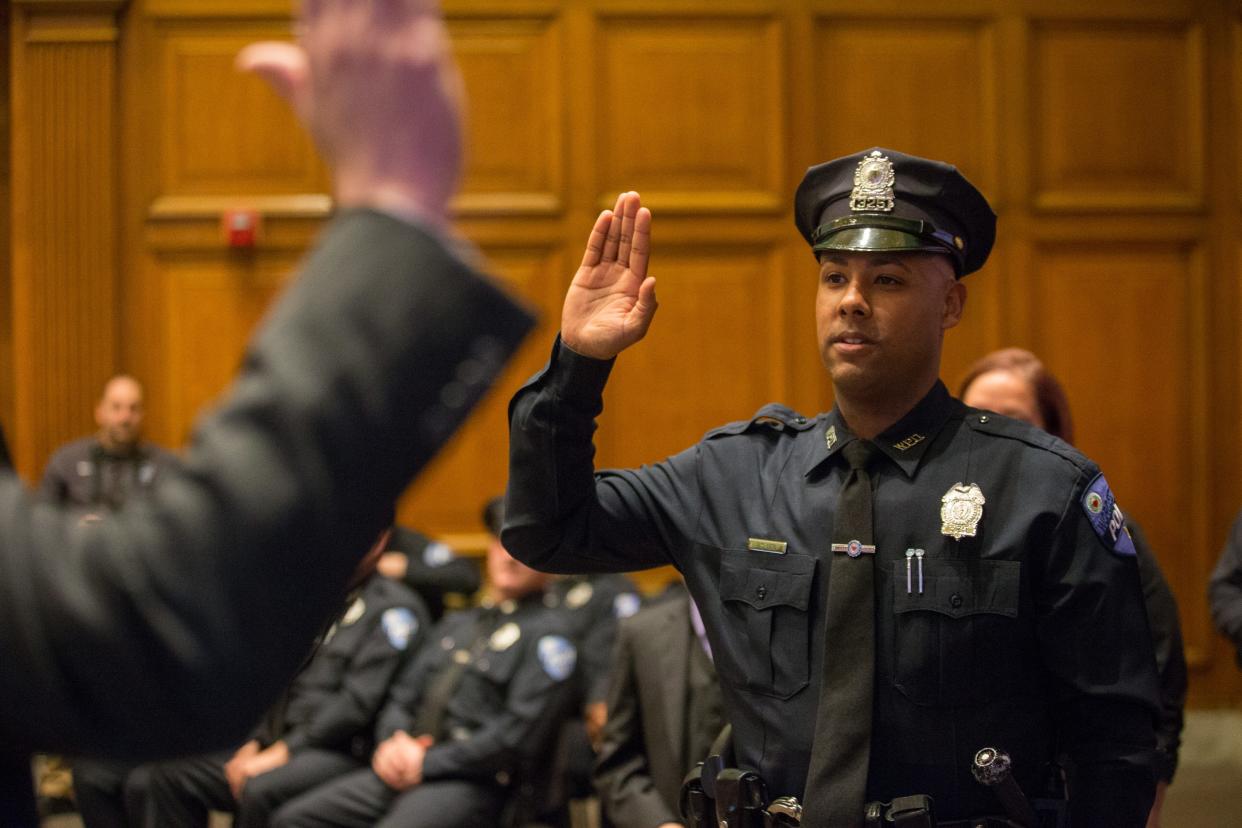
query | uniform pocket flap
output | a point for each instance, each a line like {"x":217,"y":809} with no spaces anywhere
{"x":958,"y":588}
{"x":762,"y":580}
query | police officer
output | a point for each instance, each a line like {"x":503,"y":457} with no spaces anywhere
{"x":465,"y":719}
{"x":103,"y":470}
{"x":887,"y":587}
{"x":593,"y":605}
{"x":322,"y":728}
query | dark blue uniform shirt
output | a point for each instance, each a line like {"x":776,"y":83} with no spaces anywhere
{"x":1030,"y":636}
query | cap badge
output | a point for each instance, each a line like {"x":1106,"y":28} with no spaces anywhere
{"x":873,"y":185}
{"x":960,"y":510}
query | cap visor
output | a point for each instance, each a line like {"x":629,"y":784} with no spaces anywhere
{"x":868,"y":239}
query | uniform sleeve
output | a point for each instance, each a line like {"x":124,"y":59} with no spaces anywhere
{"x":168,"y":626}
{"x":535,"y":706}
{"x":1225,"y":588}
{"x":1166,"y":631}
{"x":627,"y":793}
{"x":365,"y":686}
{"x":560,"y":516}
{"x":1095,"y":638}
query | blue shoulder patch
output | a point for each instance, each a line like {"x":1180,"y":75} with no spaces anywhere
{"x":437,"y":554}
{"x":625,"y":604}
{"x":400,"y":625}
{"x":1106,"y":518}
{"x":557,"y":656}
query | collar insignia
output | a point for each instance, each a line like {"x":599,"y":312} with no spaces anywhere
{"x":910,"y":442}
{"x":830,"y":437}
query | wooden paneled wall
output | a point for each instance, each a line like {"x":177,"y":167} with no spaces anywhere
{"x":1104,"y":133}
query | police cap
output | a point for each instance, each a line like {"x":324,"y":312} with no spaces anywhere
{"x":880,"y":199}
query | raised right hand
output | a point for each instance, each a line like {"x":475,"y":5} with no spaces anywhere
{"x":611,"y":300}
{"x":378,"y":88}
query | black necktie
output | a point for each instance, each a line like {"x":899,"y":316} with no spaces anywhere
{"x":836,"y":784}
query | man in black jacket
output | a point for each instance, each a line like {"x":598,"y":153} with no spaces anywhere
{"x":133,"y":639}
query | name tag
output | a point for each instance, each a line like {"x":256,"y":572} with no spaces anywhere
{"x":761,"y":545}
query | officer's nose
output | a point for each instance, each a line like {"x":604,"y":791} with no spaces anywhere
{"x":853,"y":301}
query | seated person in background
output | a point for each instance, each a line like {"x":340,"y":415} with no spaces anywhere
{"x":1225,"y":588}
{"x":664,"y":711}
{"x":93,"y":475}
{"x":465,"y":717}
{"x":320,"y":730}
{"x":1014,"y":382}
{"x":593,"y":605}
{"x":103,"y":470}
{"x":430,"y":568}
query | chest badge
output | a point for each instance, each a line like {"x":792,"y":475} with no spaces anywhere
{"x":355,"y":612}
{"x":505,"y":637}
{"x":579,"y":595}
{"x":961,"y":508}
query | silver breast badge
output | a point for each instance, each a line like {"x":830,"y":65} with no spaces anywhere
{"x":960,"y":510}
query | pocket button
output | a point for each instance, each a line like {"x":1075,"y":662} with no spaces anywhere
{"x":955,"y":601}
{"x":761,"y":592}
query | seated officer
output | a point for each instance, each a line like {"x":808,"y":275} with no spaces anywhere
{"x":465,"y":718}
{"x":320,"y":730}
{"x":664,"y":712}
{"x":100,"y":472}
{"x":593,"y":605}
{"x":889,"y":586}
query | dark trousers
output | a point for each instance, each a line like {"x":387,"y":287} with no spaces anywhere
{"x":110,"y":794}
{"x":362,"y":800}
{"x":182,"y":793}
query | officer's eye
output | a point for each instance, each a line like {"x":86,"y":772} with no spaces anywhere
{"x":887,"y":279}
{"x":832,"y":277}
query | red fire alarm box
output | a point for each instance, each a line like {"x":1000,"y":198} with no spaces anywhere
{"x":241,"y":227}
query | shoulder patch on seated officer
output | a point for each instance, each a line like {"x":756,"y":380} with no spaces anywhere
{"x":400,"y":625}
{"x":772,"y":418}
{"x":625,"y":605}
{"x":1106,"y":518}
{"x":557,"y":656}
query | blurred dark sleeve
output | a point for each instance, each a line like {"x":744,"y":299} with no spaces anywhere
{"x":1166,"y":633}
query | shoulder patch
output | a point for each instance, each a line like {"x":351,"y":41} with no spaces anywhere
{"x":1106,"y":518}
{"x":625,"y":604}
{"x":772,"y":418}
{"x":400,"y":625}
{"x":437,"y":554}
{"x":557,"y":656}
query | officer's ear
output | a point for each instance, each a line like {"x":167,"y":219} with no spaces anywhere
{"x":954,"y":293}
{"x":954,"y":304}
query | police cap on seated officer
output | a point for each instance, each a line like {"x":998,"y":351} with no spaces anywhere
{"x":949,"y":579}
